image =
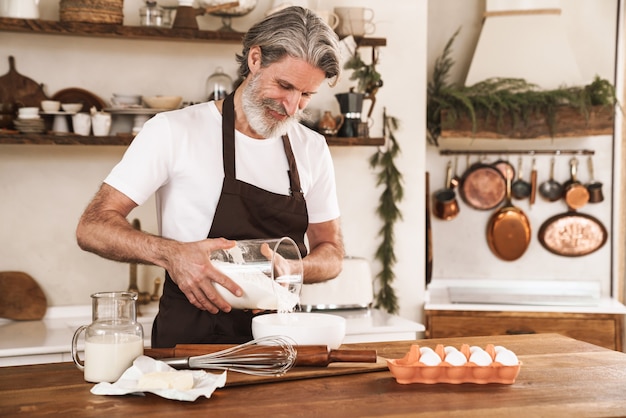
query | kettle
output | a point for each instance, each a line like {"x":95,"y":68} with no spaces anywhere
{"x":350,"y":104}
{"x":20,"y":9}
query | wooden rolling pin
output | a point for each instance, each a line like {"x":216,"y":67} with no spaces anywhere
{"x":308,"y":355}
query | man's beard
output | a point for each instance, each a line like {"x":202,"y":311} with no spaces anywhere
{"x":254,"y":107}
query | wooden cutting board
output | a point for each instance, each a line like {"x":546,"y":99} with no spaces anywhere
{"x":296,"y":373}
{"x":18,"y":89}
{"x":21,"y":297}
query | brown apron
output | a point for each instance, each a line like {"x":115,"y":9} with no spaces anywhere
{"x":243,"y":211}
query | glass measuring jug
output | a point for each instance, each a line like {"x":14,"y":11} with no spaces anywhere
{"x":269,"y":271}
{"x":113,"y":340}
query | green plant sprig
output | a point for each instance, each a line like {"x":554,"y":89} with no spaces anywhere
{"x":393,"y":192}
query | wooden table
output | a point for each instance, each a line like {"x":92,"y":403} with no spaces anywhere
{"x":560,"y":376}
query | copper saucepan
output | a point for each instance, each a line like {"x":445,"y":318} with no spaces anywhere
{"x":445,"y":205}
{"x":575,"y":193}
{"x":508,"y":230}
{"x":483,"y":186}
{"x":594,"y":187}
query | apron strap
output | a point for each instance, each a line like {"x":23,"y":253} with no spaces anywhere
{"x":294,"y":177}
{"x":228,"y":136}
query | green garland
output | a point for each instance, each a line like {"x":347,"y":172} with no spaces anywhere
{"x":500,"y":98}
{"x":391,"y":179}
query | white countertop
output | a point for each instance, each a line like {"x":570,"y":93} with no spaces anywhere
{"x":53,"y":334}
{"x":529,"y":296}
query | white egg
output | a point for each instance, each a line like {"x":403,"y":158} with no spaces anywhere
{"x":430,"y":358}
{"x":426,"y":350}
{"x":507,"y":358}
{"x":448,"y":349}
{"x":456,"y":358}
{"x":480,"y":358}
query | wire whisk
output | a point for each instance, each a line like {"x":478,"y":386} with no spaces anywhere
{"x":267,"y":356}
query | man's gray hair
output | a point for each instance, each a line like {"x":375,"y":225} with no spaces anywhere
{"x":295,"y":32}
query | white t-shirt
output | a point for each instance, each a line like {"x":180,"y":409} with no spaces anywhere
{"x":178,"y":156}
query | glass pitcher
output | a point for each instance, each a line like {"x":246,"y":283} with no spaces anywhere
{"x":113,"y":340}
{"x":270,"y":272}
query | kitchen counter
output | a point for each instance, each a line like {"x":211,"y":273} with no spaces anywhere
{"x":49,"y":340}
{"x":559,"y":376}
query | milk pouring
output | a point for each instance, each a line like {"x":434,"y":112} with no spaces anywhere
{"x":113,"y":340}
{"x":268,"y":270}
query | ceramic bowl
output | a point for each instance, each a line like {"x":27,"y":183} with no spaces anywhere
{"x":50,"y":105}
{"x":163,"y":102}
{"x":122,"y":99}
{"x":72,"y":107}
{"x":305,"y":328}
{"x":28,"y":112}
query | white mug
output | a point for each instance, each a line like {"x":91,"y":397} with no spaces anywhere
{"x":355,"y":21}
{"x":329,"y":17}
{"x":21,"y":9}
{"x":101,"y":123}
{"x":81,"y":123}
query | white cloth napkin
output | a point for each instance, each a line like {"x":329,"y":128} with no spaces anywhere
{"x":204,"y":384}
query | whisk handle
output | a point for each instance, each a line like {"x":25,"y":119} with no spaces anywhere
{"x":177,"y":362}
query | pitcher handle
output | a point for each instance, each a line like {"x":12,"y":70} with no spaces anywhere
{"x":340,"y":119}
{"x":77,"y":361}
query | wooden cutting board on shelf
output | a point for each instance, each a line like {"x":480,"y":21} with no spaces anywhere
{"x":21,"y":297}
{"x":296,"y":373}
{"x":18,"y":89}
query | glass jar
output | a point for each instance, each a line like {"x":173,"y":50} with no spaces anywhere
{"x":218,"y":85}
{"x":151,"y":14}
{"x":113,"y":340}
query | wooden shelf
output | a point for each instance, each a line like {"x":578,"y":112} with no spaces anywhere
{"x":102,"y":30}
{"x":341,"y":141}
{"x":126,"y":139}
{"x":65,"y":139}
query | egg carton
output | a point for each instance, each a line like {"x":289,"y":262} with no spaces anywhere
{"x":410,"y":369}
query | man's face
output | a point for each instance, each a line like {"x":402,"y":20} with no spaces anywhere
{"x":275,"y":96}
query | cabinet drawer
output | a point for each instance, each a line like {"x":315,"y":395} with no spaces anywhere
{"x":604,"y":330}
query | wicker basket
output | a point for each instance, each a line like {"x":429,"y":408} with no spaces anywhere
{"x":92,"y":11}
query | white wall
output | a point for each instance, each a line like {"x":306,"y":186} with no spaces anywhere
{"x":45,"y":188}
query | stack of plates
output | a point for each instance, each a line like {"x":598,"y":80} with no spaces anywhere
{"x":32,"y":126}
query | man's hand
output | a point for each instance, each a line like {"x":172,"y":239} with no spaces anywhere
{"x":191,"y":269}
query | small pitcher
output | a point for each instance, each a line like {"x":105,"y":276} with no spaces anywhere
{"x":329,"y":124}
{"x":113,"y":340}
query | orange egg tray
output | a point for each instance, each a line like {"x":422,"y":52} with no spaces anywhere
{"x":410,"y":370}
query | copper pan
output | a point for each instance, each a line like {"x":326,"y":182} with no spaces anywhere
{"x":483,"y":186}
{"x":575,"y":193}
{"x":572,"y":234}
{"x":504,"y":166}
{"x":508,"y":230}
{"x":445,"y":205}
{"x":594,"y":187}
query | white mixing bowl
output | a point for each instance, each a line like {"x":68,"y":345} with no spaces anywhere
{"x":304,"y":328}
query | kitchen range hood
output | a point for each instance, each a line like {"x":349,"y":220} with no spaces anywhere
{"x":525,"y":39}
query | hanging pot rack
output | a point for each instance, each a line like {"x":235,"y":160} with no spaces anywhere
{"x":517,"y":152}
